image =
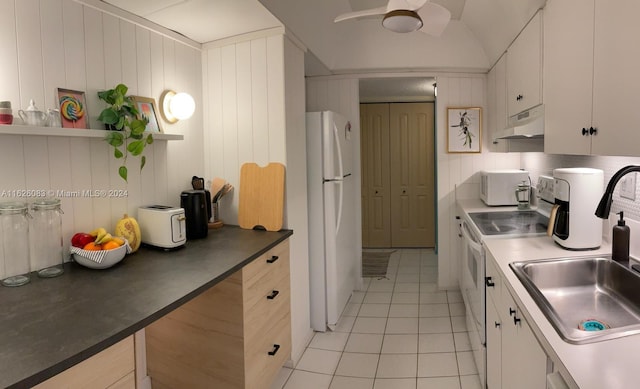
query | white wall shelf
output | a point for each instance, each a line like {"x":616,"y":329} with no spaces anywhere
{"x":70,"y":132}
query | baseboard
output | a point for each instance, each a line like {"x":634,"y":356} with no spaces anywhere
{"x":297,"y":354}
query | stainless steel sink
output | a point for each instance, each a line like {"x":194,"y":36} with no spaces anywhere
{"x":587,"y":299}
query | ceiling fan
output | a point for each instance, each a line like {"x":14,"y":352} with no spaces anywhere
{"x":407,"y":16}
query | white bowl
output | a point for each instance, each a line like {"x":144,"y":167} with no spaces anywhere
{"x":109,"y":257}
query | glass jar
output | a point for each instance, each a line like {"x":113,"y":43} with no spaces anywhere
{"x":46,"y":237}
{"x":14,"y":227}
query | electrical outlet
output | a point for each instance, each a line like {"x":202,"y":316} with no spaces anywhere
{"x":628,"y":187}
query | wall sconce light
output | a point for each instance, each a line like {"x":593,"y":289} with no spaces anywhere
{"x":176,"y":106}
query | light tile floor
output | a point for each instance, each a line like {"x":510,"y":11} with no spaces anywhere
{"x":399,"y":332}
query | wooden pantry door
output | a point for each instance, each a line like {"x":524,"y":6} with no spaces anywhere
{"x":412,"y":174}
{"x":398,"y":174}
{"x":374,"y":152}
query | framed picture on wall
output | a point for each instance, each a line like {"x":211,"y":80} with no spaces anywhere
{"x":73,"y":108}
{"x":147,"y":108}
{"x":464,"y":130}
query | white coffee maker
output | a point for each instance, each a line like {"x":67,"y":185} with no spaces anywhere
{"x":577,"y":193}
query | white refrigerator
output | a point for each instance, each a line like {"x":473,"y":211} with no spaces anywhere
{"x":333,"y":258}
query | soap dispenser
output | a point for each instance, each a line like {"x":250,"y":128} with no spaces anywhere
{"x":620,"y":245}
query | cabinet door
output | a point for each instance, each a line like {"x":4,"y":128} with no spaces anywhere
{"x":494,"y":347}
{"x":376,"y":191}
{"x":524,"y":363}
{"x":412,"y":174}
{"x":568,"y":75}
{"x":497,"y":96}
{"x":616,"y":82}
{"x":524,"y":68}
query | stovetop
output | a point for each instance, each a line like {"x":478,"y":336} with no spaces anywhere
{"x":510,"y":222}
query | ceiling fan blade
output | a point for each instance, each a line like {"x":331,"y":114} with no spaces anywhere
{"x":416,"y":4}
{"x":434,"y":18}
{"x":409,"y":5}
{"x":361,"y":14}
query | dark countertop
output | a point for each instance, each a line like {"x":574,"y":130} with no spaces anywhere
{"x":52,"y":324}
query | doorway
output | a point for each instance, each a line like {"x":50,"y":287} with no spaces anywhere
{"x":398,"y":174}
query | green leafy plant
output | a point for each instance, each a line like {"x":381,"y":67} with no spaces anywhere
{"x":127,"y":126}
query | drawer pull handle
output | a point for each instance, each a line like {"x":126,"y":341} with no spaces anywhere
{"x":272,"y":259}
{"x":273,"y":295}
{"x":512,"y":311}
{"x":273,"y":352}
{"x":516,"y":320}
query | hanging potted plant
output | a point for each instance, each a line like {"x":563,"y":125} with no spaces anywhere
{"x":126,"y":126}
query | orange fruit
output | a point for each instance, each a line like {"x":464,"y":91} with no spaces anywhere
{"x":110,"y":245}
{"x":92,"y":246}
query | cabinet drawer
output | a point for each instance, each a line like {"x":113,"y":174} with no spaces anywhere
{"x":266,"y":313}
{"x":104,"y":369}
{"x":275,"y":260}
{"x":493,"y":277}
{"x":265,"y":283}
{"x":260,"y":366}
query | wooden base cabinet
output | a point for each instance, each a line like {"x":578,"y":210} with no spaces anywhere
{"x":112,"y":368}
{"x":515,"y":359}
{"x":235,"y":335}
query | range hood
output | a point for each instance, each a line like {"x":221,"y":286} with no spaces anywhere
{"x":525,"y":125}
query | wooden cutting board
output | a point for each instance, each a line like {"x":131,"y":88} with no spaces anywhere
{"x":261,"y":196}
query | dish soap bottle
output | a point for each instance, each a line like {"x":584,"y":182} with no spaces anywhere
{"x":620,"y":245}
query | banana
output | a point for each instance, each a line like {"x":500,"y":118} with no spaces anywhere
{"x":104,"y":238}
{"x":97,"y":232}
{"x":101,"y":236}
{"x":118,"y":240}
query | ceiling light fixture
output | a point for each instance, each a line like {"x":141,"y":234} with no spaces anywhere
{"x":176,"y":106}
{"x":402,"y":20}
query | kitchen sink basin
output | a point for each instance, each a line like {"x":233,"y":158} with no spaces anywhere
{"x":588,"y":299}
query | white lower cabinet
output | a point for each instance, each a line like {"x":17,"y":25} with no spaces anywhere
{"x":494,"y":347}
{"x":515,"y":359}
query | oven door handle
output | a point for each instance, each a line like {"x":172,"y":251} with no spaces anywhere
{"x":466,"y":234}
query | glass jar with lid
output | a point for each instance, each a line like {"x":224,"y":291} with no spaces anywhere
{"x":14,"y":229}
{"x":46,"y":237}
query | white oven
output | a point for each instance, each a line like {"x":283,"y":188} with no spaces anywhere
{"x":472,"y":274}
{"x":493,"y":223}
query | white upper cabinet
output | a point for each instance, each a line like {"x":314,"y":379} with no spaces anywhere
{"x":615,"y":78}
{"x":568,"y":76}
{"x":497,"y":104}
{"x":590,"y":77}
{"x":524,"y":68}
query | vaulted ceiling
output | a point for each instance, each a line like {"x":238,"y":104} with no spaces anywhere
{"x":478,"y":34}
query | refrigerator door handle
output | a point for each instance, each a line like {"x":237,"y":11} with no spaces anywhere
{"x":339,"y":149}
{"x":341,"y":195}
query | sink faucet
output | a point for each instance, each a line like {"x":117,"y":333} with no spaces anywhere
{"x":607,"y":197}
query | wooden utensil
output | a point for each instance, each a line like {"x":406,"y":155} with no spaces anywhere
{"x":552,"y":219}
{"x":216,"y":187}
{"x":261,"y":196}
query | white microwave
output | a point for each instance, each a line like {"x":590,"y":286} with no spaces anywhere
{"x":498,"y":187}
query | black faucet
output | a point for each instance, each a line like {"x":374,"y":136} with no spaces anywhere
{"x":607,"y":197}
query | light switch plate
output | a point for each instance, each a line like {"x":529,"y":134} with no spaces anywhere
{"x":628,"y":186}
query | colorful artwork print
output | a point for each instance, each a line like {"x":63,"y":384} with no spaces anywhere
{"x":72,"y":108}
{"x":147,"y":108}
{"x":464,"y":130}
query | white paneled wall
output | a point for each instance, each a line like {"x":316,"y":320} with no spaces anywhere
{"x":459,"y":171}
{"x":244,"y":109}
{"x":48,"y":44}
{"x":254,"y":112}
